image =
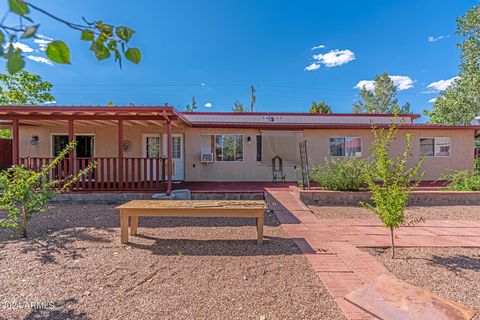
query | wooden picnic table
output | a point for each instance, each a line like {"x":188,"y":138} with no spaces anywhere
{"x":130,"y":211}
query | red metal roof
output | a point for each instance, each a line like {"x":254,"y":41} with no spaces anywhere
{"x":330,"y":126}
{"x":410,"y":115}
{"x":144,"y":112}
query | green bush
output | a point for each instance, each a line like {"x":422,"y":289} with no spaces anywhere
{"x":347,"y":174}
{"x":464,"y":180}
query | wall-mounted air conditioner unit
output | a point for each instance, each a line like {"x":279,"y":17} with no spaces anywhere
{"x":206,"y":157}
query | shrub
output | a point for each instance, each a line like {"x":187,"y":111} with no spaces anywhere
{"x":26,"y":192}
{"x":347,"y":174}
{"x":463,"y":180}
{"x":391,"y":180}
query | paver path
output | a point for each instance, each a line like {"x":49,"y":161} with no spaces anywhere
{"x":331,"y":245}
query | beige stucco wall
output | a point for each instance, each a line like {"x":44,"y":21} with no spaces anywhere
{"x":249,"y":169}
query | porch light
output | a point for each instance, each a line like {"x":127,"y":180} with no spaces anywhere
{"x":34,"y":140}
{"x":249,"y":139}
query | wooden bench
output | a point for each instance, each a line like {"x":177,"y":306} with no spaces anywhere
{"x":130,"y":211}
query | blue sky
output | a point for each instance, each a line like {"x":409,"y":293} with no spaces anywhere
{"x":214,"y":50}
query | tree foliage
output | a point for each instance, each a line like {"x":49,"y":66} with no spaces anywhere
{"x":21,"y":89}
{"x":391,"y":180}
{"x":320,"y":107}
{"x":191,"y":107}
{"x":382,"y":99}
{"x":460,"y":102}
{"x":105,"y":39}
{"x":238,"y":107}
{"x":24,"y":89}
{"x":26,"y":192}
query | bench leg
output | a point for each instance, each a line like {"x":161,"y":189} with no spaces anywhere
{"x":260,"y":230}
{"x":133,"y":225}
{"x":123,"y":228}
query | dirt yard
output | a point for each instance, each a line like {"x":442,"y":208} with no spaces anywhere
{"x":450,"y":272}
{"x":411,"y":213}
{"x":175,"y":269}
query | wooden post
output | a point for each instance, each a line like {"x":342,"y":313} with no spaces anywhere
{"x":120,"y":155}
{"x":15,"y":142}
{"x":71,"y":153}
{"x":169,"y":157}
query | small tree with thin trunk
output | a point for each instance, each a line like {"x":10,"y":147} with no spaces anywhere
{"x":391,"y":179}
{"x":26,"y":192}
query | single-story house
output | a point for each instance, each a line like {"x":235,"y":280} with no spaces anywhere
{"x":140,"y":148}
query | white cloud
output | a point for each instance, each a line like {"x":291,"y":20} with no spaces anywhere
{"x":435,"y":39}
{"x":441,"y":85}
{"x":432,"y":100}
{"x":40,"y":59}
{"x":313,"y":66}
{"x":334,"y":58}
{"x":203,"y":84}
{"x":50,"y":102}
{"x":321,"y":46}
{"x":401,"y":82}
{"x":18,"y":45}
{"x":208,"y":105}
{"x":368,"y":84}
{"x":42,"y":44}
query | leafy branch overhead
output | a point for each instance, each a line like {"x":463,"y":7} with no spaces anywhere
{"x":106,"y":40}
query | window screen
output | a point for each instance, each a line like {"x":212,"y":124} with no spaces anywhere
{"x":346,"y":147}
{"x":259,"y":147}
{"x":435,"y":147}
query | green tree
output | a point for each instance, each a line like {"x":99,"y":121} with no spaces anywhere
{"x":320,"y":107}
{"x":191,"y":107}
{"x":106,"y":40}
{"x":460,"y":102}
{"x":391,"y":180}
{"x":382,"y":99}
{"x":23,"y":89}
{"x":238,"y":107}
{"x":26,"y":192}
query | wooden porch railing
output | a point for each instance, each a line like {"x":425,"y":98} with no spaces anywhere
{"x":139,"y":174}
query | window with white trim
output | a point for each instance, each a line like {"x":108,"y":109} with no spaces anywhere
{"x":346,"y":147}
{"x":435,"y":147}
{"x":228,"y":147}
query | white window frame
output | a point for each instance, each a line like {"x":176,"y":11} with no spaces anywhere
{"x":345,"y":137}
{"x":434,"y":143}
{"x":215,"y":147}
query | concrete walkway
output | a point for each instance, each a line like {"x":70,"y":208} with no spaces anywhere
{"x":332,"y":245}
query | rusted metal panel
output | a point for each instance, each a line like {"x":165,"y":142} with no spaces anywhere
{"x":390,"y":298}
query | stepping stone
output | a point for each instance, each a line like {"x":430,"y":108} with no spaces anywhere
{"x":390,"y":298}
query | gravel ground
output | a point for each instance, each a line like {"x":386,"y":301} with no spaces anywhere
{"x":175,"y":269}
{"x":411,"y":213}
{"x":450,"y":272}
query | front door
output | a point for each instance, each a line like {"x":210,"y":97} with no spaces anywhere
{"x":151,"y":150}
{"x":178,"y":164}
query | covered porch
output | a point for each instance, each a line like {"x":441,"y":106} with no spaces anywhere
{"x":43,"y":131}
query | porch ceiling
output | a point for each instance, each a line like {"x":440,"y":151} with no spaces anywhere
{"x":97,"y":115}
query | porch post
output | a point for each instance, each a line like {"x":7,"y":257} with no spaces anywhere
{"x":120,"y":154}
{"x":15,"y":142}
{"x":71,"y":153}
{"x":169,"y":156}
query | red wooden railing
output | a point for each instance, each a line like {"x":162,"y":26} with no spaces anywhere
{"x":139,"y":174}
